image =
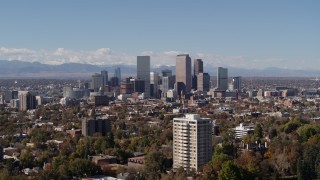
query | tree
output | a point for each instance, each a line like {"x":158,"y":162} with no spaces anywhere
{"x":154,"y":164}
{"x":229,"y":171}
{"x":26,"y":159}
{"x":249,"y":163}
{"x":208,"y":172}
{"x":308,"y":167}
{"x":273,"y":133}
{"x":100,"y":145}
{"x":83,"y":168}
{"x":258,"y":131}
{"x":218,"y":158}
{"x":307,"y":131}
{"x":57,"y":161}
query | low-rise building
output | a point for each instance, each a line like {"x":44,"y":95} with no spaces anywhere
{"x":242,"y":130}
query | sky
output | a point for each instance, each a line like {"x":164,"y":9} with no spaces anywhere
{"x":244,"y":34}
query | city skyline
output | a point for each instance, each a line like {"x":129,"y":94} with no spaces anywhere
{"x":247,"y":35}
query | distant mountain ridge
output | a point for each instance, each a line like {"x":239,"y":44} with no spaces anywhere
{"x":16,"y":68}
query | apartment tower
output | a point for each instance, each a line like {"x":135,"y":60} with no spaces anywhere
{"x":192,"y":141}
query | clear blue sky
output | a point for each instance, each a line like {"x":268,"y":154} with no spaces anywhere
{"x":278,"y":28}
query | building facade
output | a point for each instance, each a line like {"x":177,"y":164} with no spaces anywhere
{"x":197,"y":66}
{"x":117,"y":74}
{"x":154,"y":84}
{"x":242,"y":130}
{"x":27,"y":101}
{"x":203,"y":82}
{"x":143,"y":73}
{"x":92,"y":126}
{"x":104,"y":76}
{"x":222,"y":79}
{"x":192,"y":141}
{"x":183,"y":73}
{"x":236,"y":81}
{"x":96,"y":82}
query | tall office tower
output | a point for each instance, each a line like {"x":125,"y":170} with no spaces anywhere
{"x":183,"y":73}
{"x":164,"y":86}
{"x":222,"y":79}
{"x":117,"y":74}
{"x":197,"y":68}
{"x":236,"y":81}
{"x":27,"y":101}
{"x":154,"y":84}
{"x":192,"y":141}
{"x":165,"y":83}
{"x":93,"y":126}
{"x":96,"y":82}
{"x":143,"y":73}
{"x":203,"y":81}
{"x":104,"y":75}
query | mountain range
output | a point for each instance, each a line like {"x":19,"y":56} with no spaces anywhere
{"x":22,"y":69}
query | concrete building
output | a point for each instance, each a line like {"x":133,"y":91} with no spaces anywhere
{"x":104,"y":76}
{"x":183,"y":73}
{"x":103,"y":160}
{"x":96,"y":82}
{"x":165,"y":86}
{"x":2,"y":98}
{"x":242,"y":130}
{"x":143,"y":73}
{"x":236,"y":82}
{"x":99,"y":100}
{"x":75,"y":93}
{"x":117,"y":74}
{"x":127,"y":88}
{"x":8,"y":95}
{"x":167,"y":82}
{"x":154,"y":84}
{"x":136,"y":162}
{"x":197,"y":68}
{"x":192,"y":141}
{"x":203,"y":82}
{"x":92,"y":126}
{"x":166,"y":73}
{"x":27,"y":101}
{"x":222,"y":79}
{"x":138,"y":85}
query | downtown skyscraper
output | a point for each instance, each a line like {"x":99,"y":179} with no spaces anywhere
{"x":183,"y":73}
{"x":105,"y":80}
{"x":143,"y":73}
{"x":197,"y":68}
{"x":222,"y":79}
{"x":117,"y":74}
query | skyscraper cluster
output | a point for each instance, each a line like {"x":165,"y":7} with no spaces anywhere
{"x":184,"y":83}
{"x":102,"y":80}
